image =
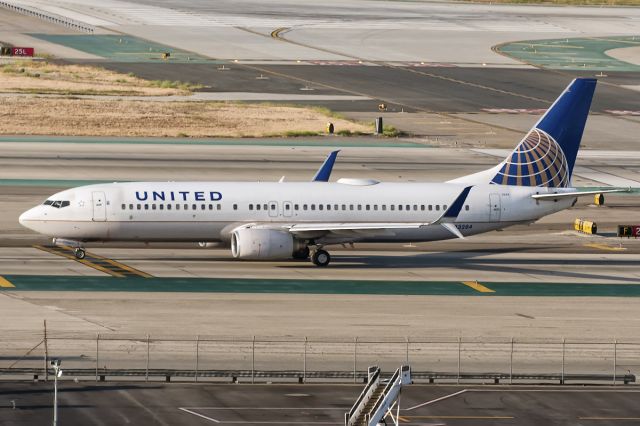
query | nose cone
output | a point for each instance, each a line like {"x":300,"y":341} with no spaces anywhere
{"x":27,"y":217}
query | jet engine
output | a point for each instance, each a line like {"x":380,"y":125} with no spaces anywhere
{"x":248,"y":243}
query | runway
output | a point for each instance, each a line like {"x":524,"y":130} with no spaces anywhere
{"x":314,"y":404}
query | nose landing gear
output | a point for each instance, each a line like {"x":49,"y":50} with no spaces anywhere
{"x":79,"y":253}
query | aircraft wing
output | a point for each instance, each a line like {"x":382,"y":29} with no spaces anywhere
{"x":574,"y":194}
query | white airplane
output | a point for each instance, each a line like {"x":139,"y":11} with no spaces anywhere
{"x":284,"y":220}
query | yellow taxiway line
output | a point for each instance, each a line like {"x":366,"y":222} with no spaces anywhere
{"x":478,"y":287}
{"x":5,"y":283}
{"x":604,"y":247}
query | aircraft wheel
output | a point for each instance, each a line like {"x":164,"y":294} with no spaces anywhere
{"x":321,"y":258}
{"x":79,"y":253}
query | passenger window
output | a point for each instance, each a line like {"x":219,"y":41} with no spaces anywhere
{"x":368,"y":207}
{"x":250,"y":206}
{"x":287,"y":207}
{"x":393,"y":207}
{"x":124,"y":206}
{"x":304,"y":207}
{"x":257,"y":206}
{"x":168,"y":206}
{"x":335,"y":207}
{"x":350,"y":206}
{"x":375,"y":207}
{"x":296,"y":207}
{"x":400,"y":207}
{"x":313,"y":206}
{"x":177,"y":206}
{"x":273,"y":206}
{"x":146,"y":206}
{"x":466,"y":207}
{"x":203,"y":206}
{"x":328,"y":206}
{"x":359,"y":206}
{"x":161,"y":206}
{"x":265,"y":207}
{"x":219,"y":206}
{"x":444,"y":207}
{"x":422,"y":207}
{"x":130,"y":205}
{"x":438,"y":207}
{"x":153,"y":206}
{"x":408,"y":207}
{"x":186,"y":206}
{"x":235,"y":207}
{"x":210,"y":206}
{"x":320,"y":206}
{"x":430,"y":207}
{"x":194,"y":207}
{"x":384,"y":207}
{"x":344,"y":207}
{"x":415,"y":207}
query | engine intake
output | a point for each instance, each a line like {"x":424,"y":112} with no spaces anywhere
{"x":248,"y":243}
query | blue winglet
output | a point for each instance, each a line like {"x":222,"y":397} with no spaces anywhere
{"x":324,"y":172}
{"x":456,"y":207}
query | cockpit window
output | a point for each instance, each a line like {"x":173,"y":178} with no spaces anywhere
{"x":57,"y":204}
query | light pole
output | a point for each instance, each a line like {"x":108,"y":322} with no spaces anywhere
{"x":58,"y":372}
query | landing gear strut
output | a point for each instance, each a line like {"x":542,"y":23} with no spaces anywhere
{"x":79,"y":253}
{"x":302,"y":254}
{"x":320,"y":258}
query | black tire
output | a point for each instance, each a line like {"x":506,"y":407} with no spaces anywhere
{"x":302,"y":254}
{"x":79,"y":253}
{"x":321,"y":258}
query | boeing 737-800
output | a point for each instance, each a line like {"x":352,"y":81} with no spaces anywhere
{"x":283,"y":220}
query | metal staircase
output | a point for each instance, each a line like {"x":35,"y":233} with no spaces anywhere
{"x":378,"y":399}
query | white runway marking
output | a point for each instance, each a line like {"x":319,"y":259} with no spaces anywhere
{"x":199,"y":415}
{"x":433,"y":401}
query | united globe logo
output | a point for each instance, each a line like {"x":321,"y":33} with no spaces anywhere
{"x":537,"y":161}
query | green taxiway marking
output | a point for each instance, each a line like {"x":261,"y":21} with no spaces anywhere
{"x":327,"y":142}
{"x":225,"y":285}
{"x":574,"y":54}
{"x":123,"y":48}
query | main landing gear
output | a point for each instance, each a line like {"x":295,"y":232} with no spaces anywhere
{"x":321,"y":257}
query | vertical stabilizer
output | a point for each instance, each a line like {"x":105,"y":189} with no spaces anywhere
{"x":547,"y":154}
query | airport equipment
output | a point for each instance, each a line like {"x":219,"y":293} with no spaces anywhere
{"x":330,"y":128}
{"x":379,"y":126}
{"x":598,"y":199}
{"x":378,"y":399}
{"x":58,"y":373}
{"x":166,"y":55}
{"x":629,"y":231}
{"x":585,"y":226}
{"x":382,"y":107}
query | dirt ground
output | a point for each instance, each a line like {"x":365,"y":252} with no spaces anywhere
{"x":64,"y":112}
{"x":43,"y":77}
{"x":88,"y":117}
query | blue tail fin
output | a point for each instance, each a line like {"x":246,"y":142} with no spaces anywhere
{"x":546,"y":156}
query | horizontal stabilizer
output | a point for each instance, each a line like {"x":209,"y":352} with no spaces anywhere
{"x":573,"y":194}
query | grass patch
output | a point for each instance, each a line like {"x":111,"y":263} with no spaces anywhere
{"x":181,"y":85}
{"x":300,"y":133}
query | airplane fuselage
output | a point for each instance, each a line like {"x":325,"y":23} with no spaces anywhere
{"x":210,"y":211}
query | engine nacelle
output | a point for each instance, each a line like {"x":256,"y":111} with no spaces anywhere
{"x":247,"y":243}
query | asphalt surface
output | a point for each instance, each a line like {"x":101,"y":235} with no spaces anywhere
{"x":169,"y":404}
{"x":444,"y":89}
